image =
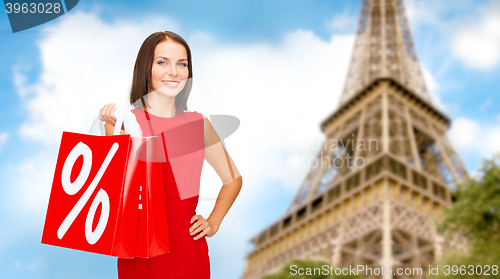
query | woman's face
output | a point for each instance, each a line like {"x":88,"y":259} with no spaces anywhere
{"x":170,"y":71}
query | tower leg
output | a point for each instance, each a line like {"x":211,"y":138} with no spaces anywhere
{"x":337,"y":247}
{"x":386,"y":261}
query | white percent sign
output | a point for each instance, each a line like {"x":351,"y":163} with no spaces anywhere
{"x":72,"y":188}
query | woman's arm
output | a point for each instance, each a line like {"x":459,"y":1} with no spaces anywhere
{"x":217,"y":156}
{"x":111,"y":129}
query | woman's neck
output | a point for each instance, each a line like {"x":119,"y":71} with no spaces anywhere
{"x":161,"y":105}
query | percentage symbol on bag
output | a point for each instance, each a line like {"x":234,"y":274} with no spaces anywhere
{"x":72,"y":188}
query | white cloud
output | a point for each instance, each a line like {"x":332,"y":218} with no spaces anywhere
{"x":436,"y":13}
{"x":3,"y":139}
{"x":433,"y":88}
{"x":477,"y":41}
{"x":463,"y":133}
{"x":470,"y":30}
{"x":25,"y":199}
{"x":486,"y":104}
{"x":343,"y":22}
{"x":418,"y":13}
{"x":33,"y":266}
{"x":467,"y":135}
{"x":30,"y":196}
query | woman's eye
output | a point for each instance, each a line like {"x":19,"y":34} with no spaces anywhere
{"x":163,"y":63}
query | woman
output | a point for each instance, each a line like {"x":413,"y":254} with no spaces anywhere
{"x":161,"y":85}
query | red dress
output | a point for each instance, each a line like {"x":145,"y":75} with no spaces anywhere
{"x":184,"y":146}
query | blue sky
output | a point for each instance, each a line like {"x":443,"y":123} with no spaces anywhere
{"x":247,"y":53}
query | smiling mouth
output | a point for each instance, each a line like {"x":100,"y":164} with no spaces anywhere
{"x":170,"y":82}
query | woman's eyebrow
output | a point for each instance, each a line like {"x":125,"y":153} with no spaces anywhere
{"x":183,"y":59}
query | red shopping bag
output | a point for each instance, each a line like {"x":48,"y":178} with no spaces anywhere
{"x":106,"y":196}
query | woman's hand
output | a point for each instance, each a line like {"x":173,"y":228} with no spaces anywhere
{"x":107,"y":114}
{"x":203,"y":226}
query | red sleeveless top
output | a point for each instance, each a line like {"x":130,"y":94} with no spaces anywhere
{"x":183,"y":139}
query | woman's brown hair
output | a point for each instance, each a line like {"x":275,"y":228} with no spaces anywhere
{"x":141,"y":81}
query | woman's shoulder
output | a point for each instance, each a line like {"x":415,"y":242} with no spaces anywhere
{"x":136,"y":110}
{"x":194,"y":113}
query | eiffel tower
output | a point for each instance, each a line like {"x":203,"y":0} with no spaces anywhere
{"x":378,"y":208}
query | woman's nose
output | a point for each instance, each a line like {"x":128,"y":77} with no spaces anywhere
{"x":171,"y":71}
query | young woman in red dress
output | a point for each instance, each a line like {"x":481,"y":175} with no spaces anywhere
{"x":161,"y":85}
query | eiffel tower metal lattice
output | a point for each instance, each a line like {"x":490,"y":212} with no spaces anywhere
{"x":384,"y":171}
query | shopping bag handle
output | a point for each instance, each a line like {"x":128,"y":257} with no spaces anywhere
{"x":94,"y":126}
